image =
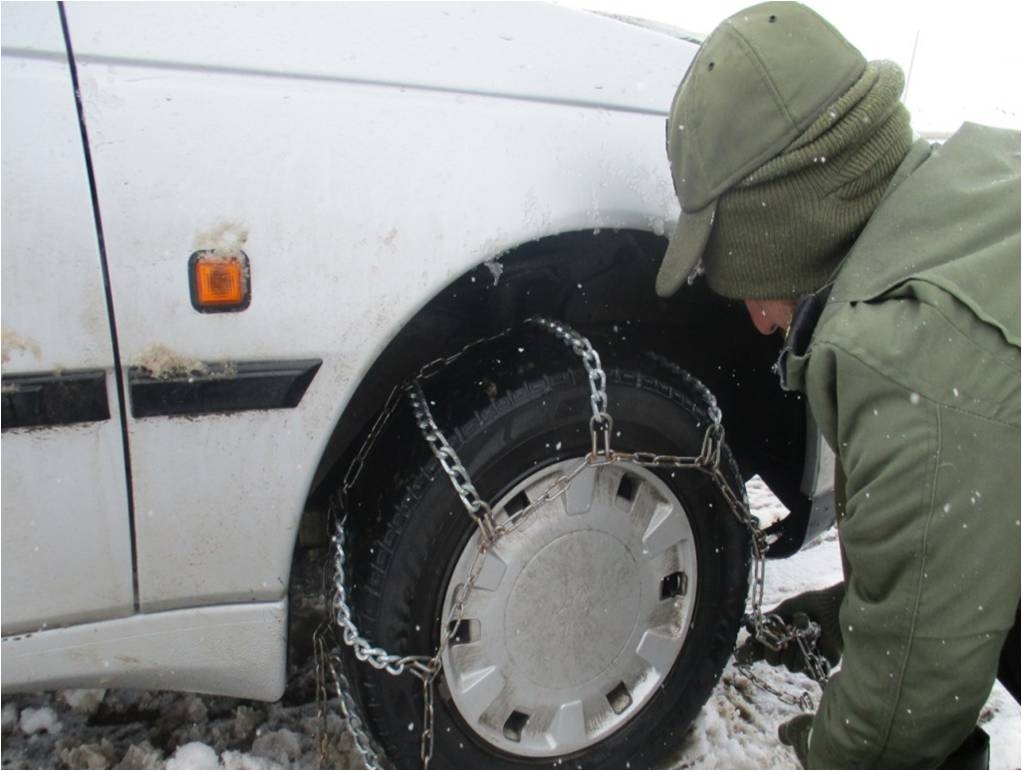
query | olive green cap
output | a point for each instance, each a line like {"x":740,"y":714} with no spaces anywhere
{"x":759,"y":80}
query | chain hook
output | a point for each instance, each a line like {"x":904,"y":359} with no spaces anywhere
{"x":483,"y":517}
{"x":601,"y":424}
{"x":709,"y":455}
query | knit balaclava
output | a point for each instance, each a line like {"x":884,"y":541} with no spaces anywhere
{"x":782,"y":139}
{"x":783,"y":230}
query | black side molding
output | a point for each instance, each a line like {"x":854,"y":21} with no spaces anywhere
{"x":220,"y":388}
{"x":52,"y":399}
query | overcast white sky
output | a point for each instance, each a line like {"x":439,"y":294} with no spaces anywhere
{"x":967,"y":60}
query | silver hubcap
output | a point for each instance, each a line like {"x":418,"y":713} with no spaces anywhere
{"x":577,"y":616}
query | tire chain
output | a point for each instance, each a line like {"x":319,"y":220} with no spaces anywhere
{"x":769,"y":629}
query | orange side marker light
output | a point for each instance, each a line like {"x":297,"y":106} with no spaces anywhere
{"x":219,"y":283}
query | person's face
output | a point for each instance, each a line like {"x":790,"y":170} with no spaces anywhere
{"x":770,"y":315}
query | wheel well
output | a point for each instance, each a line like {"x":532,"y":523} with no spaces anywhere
{"x":600,"y":282}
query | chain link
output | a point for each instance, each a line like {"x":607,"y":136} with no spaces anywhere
{"x":372,"y":754}
{"x":590,"y":360}
{"x":363,"y":650}
{"x":328,"y":659}
{"x":478,"y":509}
{"x":769,"y":629}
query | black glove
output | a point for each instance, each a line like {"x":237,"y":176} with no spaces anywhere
{"x":820,"y":606}
{"x":795,"y":733}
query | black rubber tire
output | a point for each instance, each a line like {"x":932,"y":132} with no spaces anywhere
{"x":504,"y":425}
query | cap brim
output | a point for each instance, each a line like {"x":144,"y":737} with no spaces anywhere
{"x":685,"y":248}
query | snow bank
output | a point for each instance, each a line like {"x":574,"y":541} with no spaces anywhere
{"x":10,"y":718}
{"x":194,"y":755}
{"x":240,"y":760}
{"x":282,"y":746}
{"x":84,"y":699}
{"x":35,"y":720}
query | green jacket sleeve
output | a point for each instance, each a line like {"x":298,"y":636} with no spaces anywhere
{"x":929,"y":535}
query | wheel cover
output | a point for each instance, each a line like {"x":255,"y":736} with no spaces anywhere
{"x":577,"y":616}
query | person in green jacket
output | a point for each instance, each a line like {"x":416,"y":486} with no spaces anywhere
{"x":892,"y":268}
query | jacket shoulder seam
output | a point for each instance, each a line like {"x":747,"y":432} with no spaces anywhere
{"x":866,"y":360}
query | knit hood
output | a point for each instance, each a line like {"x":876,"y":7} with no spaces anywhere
{"x":782,"y":231}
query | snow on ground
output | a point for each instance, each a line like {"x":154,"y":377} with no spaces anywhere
{"x":155,"y":730}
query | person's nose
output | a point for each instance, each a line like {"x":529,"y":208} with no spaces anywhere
{"x":759,"y":318}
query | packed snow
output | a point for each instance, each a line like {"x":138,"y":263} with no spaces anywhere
{"x":99,"y":729}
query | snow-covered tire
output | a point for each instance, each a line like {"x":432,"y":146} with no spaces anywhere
{"x":521,"y":416}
